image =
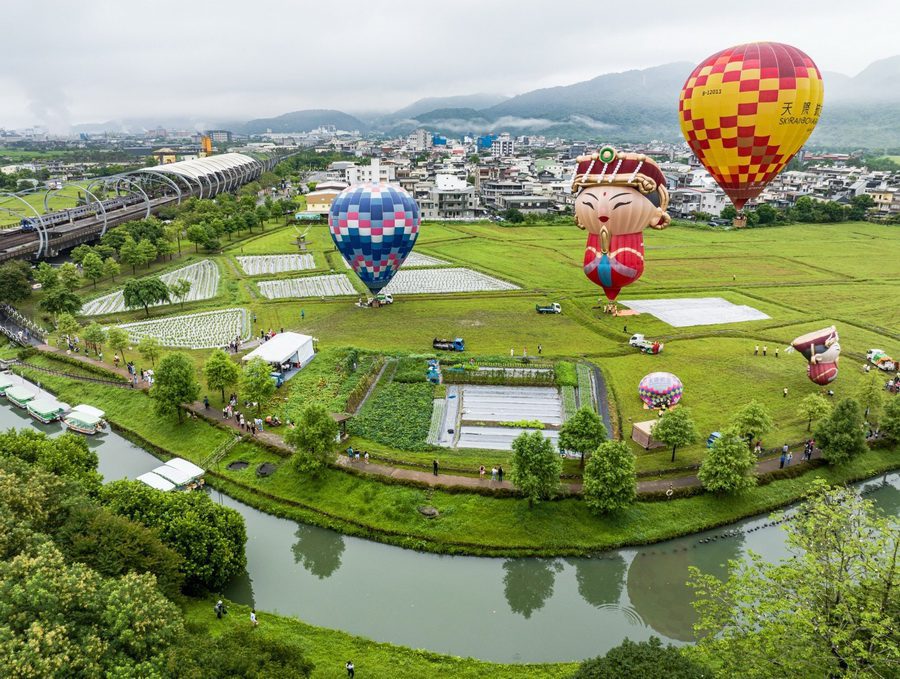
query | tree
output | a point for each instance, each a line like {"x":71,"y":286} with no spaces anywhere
{"x":676,"y":428}
{"x":64,"y":619}
{"x":859,"y":206}
{"x":209,"y":537}
{"x":256,"y":382}
{"x":130,"y":254}
{"x":582,"y":432}
{"x":67,"y":325}
{"x":828,"y":611}
{"x":79,"y":252}
{"x":842,"y":436}
{"x":111,"y":268}
{"x":728,"y":466}
{"x":535,"y":466}
{"x":641,"y":660}
{"x":95,"y":336}
{"x":766,"y":214}
{"x":871,"y":398}
{"x":513,"y":216}
{"x":58,"y":300}
{"x":46,"y":275}
{"x":118,"y":340}
{"x":180,"y":289}
{"x":753,"y":420}
{"x":890,"y":423}
{"x":165,"y":248}
{"x":150,"y":348}
{"x":728,"y":212}
{"x":197,"y":235}
{"x":814,"y":407}
{"x":14,"y":284}
{"x":93,"y":267}
{"x":313,"y":439}
{"x":69,"y":276}
{"x":175,"y":382}
{"x":144,"y":292}
{"x":221,"y":372}
{"x":609,"y":479}
{"x":147,"y":251}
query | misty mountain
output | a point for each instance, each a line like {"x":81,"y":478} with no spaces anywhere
{"x":430,"y":104}
{"x":302,"y":121}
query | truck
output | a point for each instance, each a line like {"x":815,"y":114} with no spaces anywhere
{"x":457,"y":344}
{"x":881,"y":360}
{"x":646,"y":346}
{"x":553,"y":308}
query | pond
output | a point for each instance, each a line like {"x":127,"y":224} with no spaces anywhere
{"x":505,"y":610}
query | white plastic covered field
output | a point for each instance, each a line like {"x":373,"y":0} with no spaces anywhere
{"x":332,"y":285}
{"x":205,"y":330}
{"x":444,"y":280}
{"x":262,"y":264}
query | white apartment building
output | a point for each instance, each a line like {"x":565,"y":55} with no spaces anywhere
{"x":502,"y":146}
{"x":449,"y":197}
{"x":374,"y":172}
{"x":420,"y":140}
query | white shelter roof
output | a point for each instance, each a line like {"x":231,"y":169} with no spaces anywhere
{"x":190,"y":467}
{"x":85,"y":409}
{"x":177,"y":476}
{"x":156,"y":481}
{"x":280,"y":348}
{"x":202,"y":167}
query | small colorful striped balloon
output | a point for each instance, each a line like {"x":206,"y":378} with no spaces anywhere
{"x":660,"y":389}
{"x":374,"y":226}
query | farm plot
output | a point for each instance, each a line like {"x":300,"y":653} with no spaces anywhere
{"x":205,"y":330}
{"x":263,"y":264}
{"x":332,"y":285}
{"x":203,"y":275}
{"x":444,"y":280}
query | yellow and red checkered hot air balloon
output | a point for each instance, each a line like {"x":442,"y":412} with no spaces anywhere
{"x":745,"y":112}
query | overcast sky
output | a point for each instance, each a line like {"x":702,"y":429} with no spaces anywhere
{"x":91,"y":61}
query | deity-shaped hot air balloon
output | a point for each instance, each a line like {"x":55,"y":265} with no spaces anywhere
{"x":619,"y":195}
{"x":374,"y":226}
{"x":822,"y":351}
{"x":745,"y":112}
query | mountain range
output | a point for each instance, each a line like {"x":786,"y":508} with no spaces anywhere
{"x":862,"y":111}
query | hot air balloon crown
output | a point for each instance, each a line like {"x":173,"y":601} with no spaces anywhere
{"x":618,"y":168}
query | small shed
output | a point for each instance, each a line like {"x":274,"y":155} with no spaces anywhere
{"x":285,"y":351}
{"x":642,"y":434}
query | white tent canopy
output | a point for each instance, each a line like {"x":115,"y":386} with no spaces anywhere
{"x":184,"y":465}
{"x":286,"y":347}
{"x":177,"y":476}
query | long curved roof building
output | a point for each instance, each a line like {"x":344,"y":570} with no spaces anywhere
{"x":213,"y":174}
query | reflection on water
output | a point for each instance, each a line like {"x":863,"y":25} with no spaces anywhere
{"x":513,"y":610}
{"x":528,"y":583}
{"x":600,"y":580}
{"x":318,"y":551}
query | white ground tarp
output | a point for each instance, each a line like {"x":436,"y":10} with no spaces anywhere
{"x":285,"y":347}
{"x":688,"y":311}
{"x":511,"y":404}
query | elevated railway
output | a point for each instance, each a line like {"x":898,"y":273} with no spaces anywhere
{"x":135,"y":195}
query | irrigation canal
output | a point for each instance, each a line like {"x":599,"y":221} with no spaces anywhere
{"x":505,"y":610}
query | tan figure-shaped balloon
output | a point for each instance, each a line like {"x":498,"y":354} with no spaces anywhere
{"x":619,"y":195}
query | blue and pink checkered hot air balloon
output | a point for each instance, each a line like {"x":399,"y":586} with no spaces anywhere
{"x":660,"y":389}
{"x":374,"y":226}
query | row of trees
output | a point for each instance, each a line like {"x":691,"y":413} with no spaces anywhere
{"x":805,"y":210}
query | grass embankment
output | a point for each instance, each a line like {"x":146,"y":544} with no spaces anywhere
{"x":330,"y":649}
{"x":471,"y":524}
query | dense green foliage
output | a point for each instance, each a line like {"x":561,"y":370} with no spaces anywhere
{"x":830,"y":610}
{"x":313,"y":439}
{"x":328,"y":380}
{"x":256,"y":383}
{"x":753,"y":420}
{"x":641,"y":660}
{"x":142,"y":292}
{"x":609,"y":478}
{"x":210,"y":538}
{"x":842,"y":435}
{"x":175,"y":383}
{"x":676,"y":428}
{"x":890,"y":424}
{"x":814,"y":407}
{"x":728,"y":466}
{"x":565,"y":374}
{"x":14,"y":284}
{"x":535,"y":466}
{"x":583,"y":432}
{"x":396,"y":414}
{"x":67,"y":455}
{"x":221,"y":372}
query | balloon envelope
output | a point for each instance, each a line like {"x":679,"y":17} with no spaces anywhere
{"x":658,"y":389}
{"x":822,"y":351}
{"x":374,"y":226}
{"x":745,"y":112}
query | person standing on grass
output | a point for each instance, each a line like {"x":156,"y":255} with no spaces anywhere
{"x":434,"y":467}
{"x":481,"y":471}
{"x":757,"y":450}
{"x":351,"y":671}
{"x":253,"y":619}
{"x":785,"y":392}
{"x":366,"y":457}
{"x":540,"y":348}
{"x":776,"y":352}
{"x":493,"y":473}
{"x":500,"y":473}
{"x":765,"y":349}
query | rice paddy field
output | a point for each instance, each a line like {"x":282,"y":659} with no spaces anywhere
{"x":803,"y":277}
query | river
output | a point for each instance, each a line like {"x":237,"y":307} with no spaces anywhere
{"x":504,"y":610}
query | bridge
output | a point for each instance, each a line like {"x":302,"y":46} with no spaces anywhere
{"x":106,"y":202}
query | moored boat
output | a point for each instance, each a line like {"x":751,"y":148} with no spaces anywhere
{"x":85,"y":419}
{"x":20,"y":395}
{"x":6,"y":381}
{"x":47,"y":409}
